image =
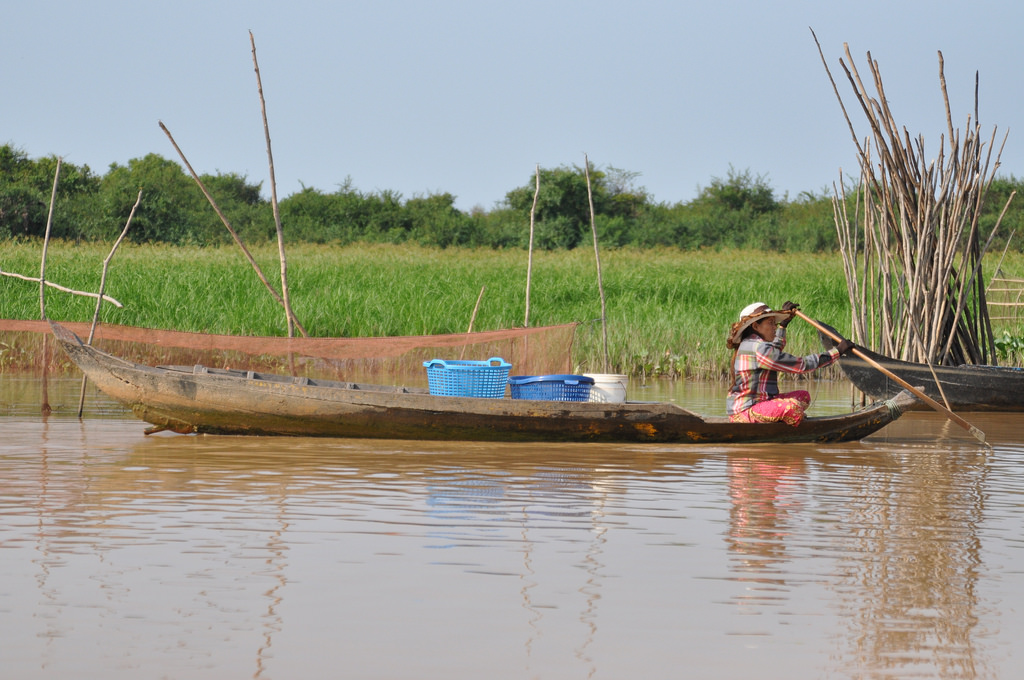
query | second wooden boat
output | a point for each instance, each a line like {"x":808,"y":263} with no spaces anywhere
{"x":964,"y":388}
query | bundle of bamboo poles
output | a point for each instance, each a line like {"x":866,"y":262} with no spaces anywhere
{"x":909,"y":234}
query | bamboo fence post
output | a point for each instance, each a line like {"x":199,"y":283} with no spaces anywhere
{"x":529,"y":259}
{"x":99,"y":298}
{"x":597,"y":259}
{"x":289,"y":314}
{"x":238,"y":240}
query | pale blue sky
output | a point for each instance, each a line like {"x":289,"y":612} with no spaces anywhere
{"x":466,"y":97}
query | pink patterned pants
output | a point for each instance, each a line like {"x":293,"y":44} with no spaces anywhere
{"x":788,"y":407}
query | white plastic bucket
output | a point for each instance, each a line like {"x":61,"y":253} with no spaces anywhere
{"x":608,"y":387}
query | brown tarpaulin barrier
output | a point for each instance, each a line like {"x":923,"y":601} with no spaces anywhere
{"x":392,"y":360}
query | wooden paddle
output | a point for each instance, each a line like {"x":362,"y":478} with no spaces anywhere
{"x":978,"y":434}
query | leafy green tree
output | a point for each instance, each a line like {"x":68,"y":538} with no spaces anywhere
{"x":434,"y":220}
{"x":807,"y":224}
{"x":312,"y":216}
{"x":500,"y":228}
{"x":26,"y":186}
{"x":740,"y":192}
{"x":171,"y":202}
{"x":386,"y":218}
{"x":1011,"y":228}
{"x":249,"y":214}
{"x":739,"y":211}
{"x":174,"y":209}
{"x":562,"y":216}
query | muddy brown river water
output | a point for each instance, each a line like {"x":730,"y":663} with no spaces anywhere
{"x":126,"y":556}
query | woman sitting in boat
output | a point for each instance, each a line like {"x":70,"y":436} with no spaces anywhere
{"x":759,"y":338}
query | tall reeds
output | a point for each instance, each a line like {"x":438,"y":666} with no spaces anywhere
{"x":909,"y":235}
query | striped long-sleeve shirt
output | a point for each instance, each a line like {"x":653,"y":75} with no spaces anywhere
{"x":757,"y":368}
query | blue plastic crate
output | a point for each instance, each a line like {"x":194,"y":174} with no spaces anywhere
{"x":551,"y":387}
{"x":484,"y":379}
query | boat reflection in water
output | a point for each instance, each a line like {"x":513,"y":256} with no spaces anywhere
{"x":199,"y":555}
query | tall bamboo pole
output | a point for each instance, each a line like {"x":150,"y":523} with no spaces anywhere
{"x":597,"y":260}
{"x":46,"y":242}
{"x":529,"y":259}
{"x":289,"y":314}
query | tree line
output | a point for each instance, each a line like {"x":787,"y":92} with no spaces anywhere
{"x":740,"y":210}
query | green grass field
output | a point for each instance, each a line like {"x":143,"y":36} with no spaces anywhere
{"x":667,"y":310}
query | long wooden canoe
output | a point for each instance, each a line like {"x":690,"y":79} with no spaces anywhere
{"x":197,"y":399}
{"x":965,"y":387}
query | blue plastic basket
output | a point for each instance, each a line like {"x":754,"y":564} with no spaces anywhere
{"x":551,"y":387}
{"x":484,"y":379}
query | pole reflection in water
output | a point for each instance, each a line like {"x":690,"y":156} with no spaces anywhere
{"x":918,"y":563}
{"x":198,"y":557}
{"x":563,"y":497}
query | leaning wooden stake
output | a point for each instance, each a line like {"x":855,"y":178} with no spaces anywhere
{"x":472,"y":318}
{"x":978,"y":434}
{"x":65,"y":289}
{"x":597,"y":259}
{"x":476,"y":308}
{"x":289,"y":314}
{"x":231,"y":230}
{"x":103,"y":286}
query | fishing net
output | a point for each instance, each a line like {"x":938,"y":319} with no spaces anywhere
{"x":27,"y":346}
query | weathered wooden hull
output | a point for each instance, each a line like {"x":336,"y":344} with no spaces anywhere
{"x":965,"y":388}
{"x":203,"y":400}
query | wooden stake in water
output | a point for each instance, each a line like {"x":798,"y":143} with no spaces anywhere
{"x":45,"y":407}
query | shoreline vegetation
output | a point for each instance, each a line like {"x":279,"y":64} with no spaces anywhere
{"x":667,"y":309}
